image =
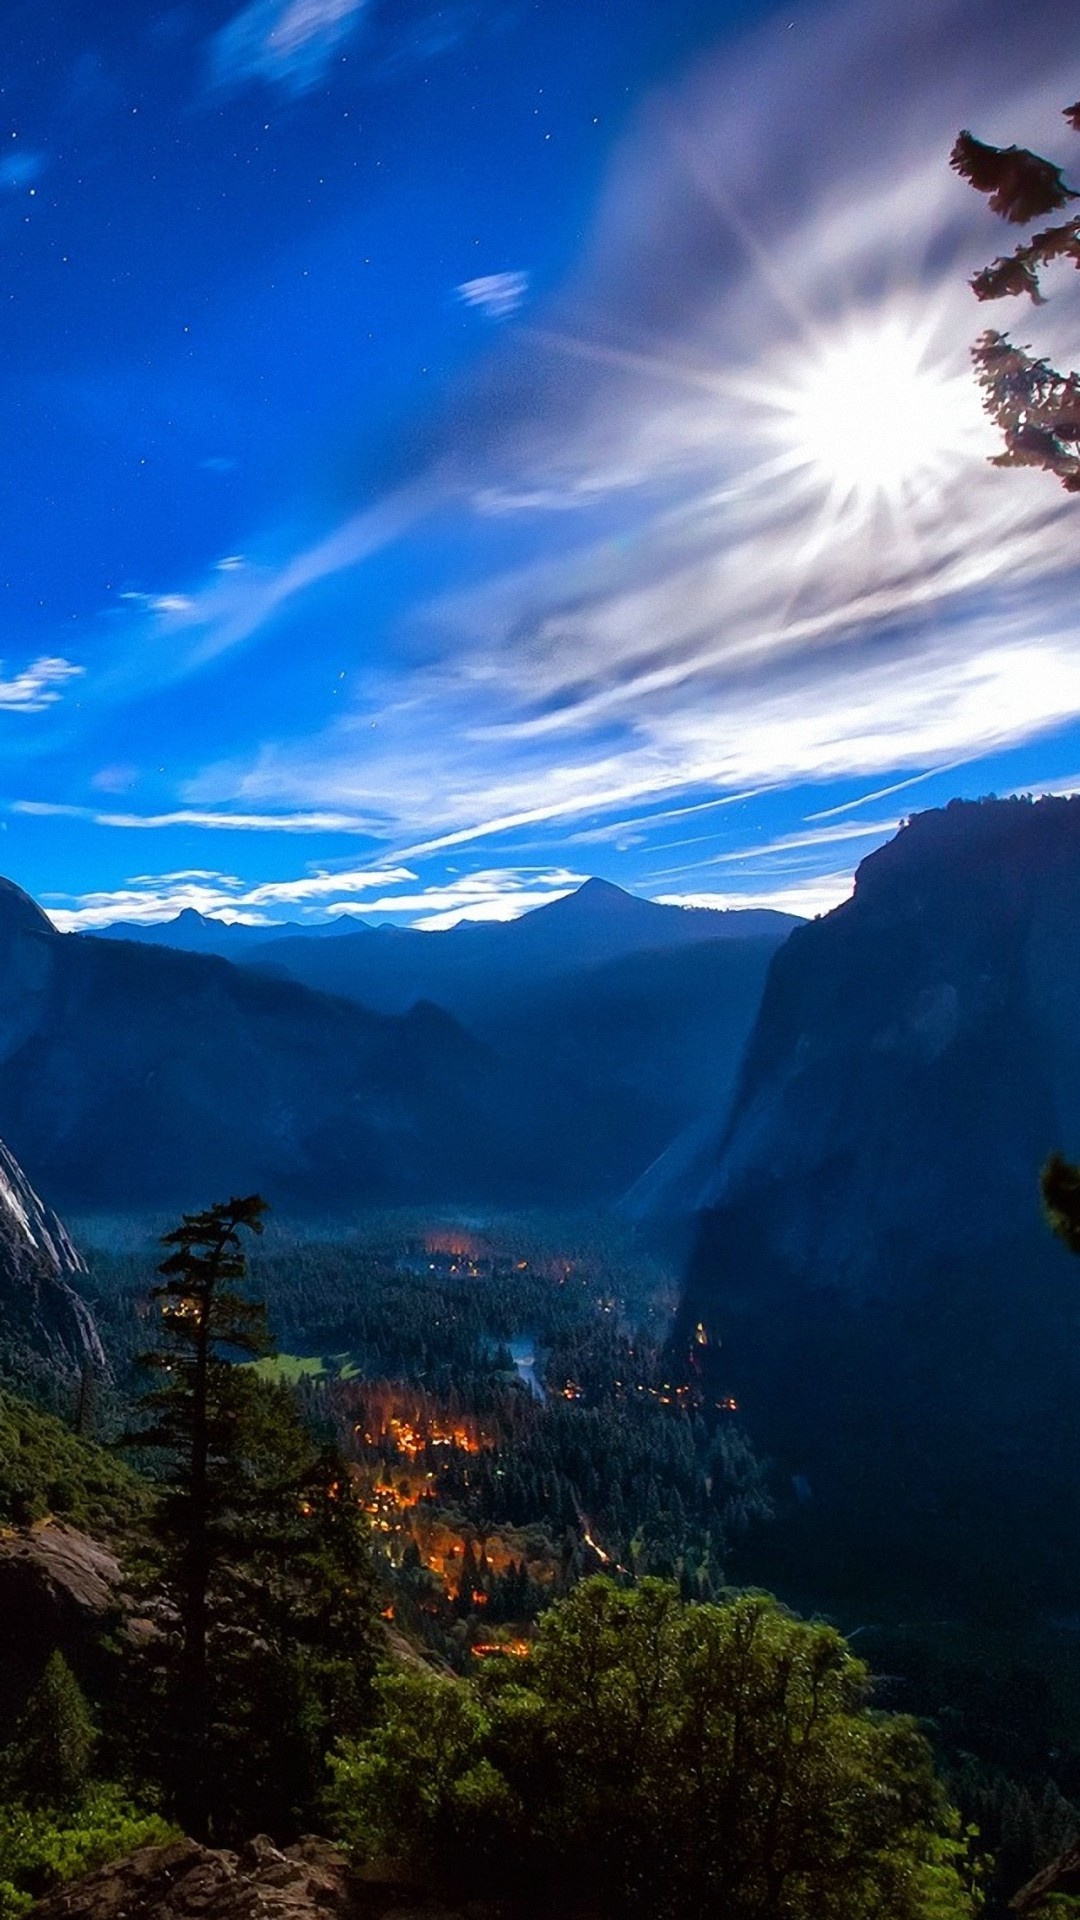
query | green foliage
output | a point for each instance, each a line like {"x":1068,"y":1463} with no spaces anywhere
{"x":669,"y":1760}
{"x":42,"y":1847}
{"x":1035,"y":408}
{"x":47,"y":1469}
{"x":48,"y":1763}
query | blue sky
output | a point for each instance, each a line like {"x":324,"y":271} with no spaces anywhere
{"x":453,"y":450}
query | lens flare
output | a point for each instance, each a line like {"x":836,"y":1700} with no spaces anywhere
{"x":875,"y":418}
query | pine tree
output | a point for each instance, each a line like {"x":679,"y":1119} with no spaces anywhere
{"x":54,"y":1740}
{"x":196,"y":1422}
{"x":1035,"y":408}
{"x":265,"y":1587}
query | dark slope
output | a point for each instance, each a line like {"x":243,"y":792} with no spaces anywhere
{"x":476,"y":970}
{"x":132,"y":1075}
{"x":893,"y":1312}
{"x":642,"y":1046}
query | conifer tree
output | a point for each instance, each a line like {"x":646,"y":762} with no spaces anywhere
{"x":263,"y":1572}
{"x":54,"y":1740}
{"x":1035,"y":408}
{"x":206,"y":1322}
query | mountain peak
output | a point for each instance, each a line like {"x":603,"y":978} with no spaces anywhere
{"x":594,"y":896}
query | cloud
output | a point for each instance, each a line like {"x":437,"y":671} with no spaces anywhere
{"x":497,"y":295}
{"x":325,"y":822}
{"x":38,"y":686}
{"x":285,"y":43}
{"x":240,"y":598}
{"x":151,"y":899}
{"x":763,"y":854}
{"x":21,"y":168}
{"x":751,"y":623}
{"x":804,"y":897}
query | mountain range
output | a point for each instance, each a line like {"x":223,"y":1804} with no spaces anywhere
{"x":467,"y":969}
{"x":133,"y":1074}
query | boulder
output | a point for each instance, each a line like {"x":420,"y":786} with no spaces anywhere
{"x":185,"y":1881}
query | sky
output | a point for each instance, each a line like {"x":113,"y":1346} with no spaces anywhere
{"x":453,"y":450}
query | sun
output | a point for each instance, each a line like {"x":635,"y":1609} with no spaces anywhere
{"x":873,"y":416}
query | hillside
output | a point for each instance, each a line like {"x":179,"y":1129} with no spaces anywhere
{"x":137,"y":1076}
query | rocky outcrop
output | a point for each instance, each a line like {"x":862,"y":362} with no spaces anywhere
{"x":873,"y":1279}
{"x":916,"y":1056}
{"x":41,"y":1312}
{"x":309,"y":1881}
{"x":1062,"y":1877}
{"x":56,"y":1583}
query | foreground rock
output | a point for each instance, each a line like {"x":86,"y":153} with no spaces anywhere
{"x":185,"y":1881}
{"x":55,"y":1582}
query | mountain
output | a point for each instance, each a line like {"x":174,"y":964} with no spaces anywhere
{"x":193,"y":932}
{"x":544,"y":1061}
{"x":872,"y":1274}
{"x":638,"y":1047}
{"x":475,"y":970}
{"x":134,"y":1075}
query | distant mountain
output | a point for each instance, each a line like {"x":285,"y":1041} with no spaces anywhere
{"x":192,"y":932}
{"x":135,"y":1075}
{"x":637,"y":1048}
{"x":473,"y":970}
{"x":874,"y":1277}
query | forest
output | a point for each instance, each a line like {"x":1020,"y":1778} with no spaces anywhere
{"x":363,"y":1573}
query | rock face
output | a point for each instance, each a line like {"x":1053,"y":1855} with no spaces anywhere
{"x":41,"y":1313}
{"x":55,"y":1582}
{"x":873,"y":1274}
{"x":916,"y":1056}
{"x":187,"y":1882}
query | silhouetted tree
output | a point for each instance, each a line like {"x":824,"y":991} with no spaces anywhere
{"x":1035,"y":408}
{"x":207,"y":1321}
{"x":263,"y":1583}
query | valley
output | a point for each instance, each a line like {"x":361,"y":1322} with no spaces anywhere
{"x":794,"y":1323}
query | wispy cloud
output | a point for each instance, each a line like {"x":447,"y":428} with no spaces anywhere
{"x":325,"y":822}
{"x":752,"y":625}
{"x":285,"y":43}
{"x":497,"y":295}
{"x":758,"y":856}
{"x":38,"y":686}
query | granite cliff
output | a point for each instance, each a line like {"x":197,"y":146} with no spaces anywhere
{"x":872,"y":1271}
